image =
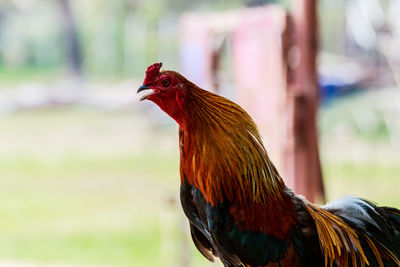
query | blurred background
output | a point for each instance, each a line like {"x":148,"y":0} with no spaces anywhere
{"x":89,"y":175}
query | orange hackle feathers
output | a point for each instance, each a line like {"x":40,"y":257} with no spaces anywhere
{"x":226,"y":156}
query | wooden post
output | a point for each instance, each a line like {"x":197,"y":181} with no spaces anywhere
{"x":303,"y":168}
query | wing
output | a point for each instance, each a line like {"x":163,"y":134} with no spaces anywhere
{"x":202,"y":243}
{"x":201,"y":238}
{"x":203,"y":227}
{"x":215,"y":233}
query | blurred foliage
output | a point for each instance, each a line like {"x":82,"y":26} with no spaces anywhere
{"x":117,"y":38}
{"x":365,"y":115}
{"x":332,"y":18}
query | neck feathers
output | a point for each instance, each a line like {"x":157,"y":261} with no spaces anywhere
{"x":223,"y":154}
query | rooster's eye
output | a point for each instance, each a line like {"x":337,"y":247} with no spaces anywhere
{"x":166,"y":82}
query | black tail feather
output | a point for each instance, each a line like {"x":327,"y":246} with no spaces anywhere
{"x":379,"y":225}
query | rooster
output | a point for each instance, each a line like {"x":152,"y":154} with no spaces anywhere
{"x":238,"y":206}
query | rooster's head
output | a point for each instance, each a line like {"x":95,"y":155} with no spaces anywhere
{"x":168,"y":91}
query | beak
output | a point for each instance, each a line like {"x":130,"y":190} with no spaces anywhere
{"x":142,"y":88}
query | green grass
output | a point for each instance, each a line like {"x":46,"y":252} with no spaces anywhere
{"x":16,"y":76}
{"x":88,"y":187}
{"x":377,"y":182}
{"x":358,"y":153}
{"x":84,"y":210}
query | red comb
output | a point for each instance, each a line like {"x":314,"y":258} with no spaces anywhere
{"x":152,"y":72}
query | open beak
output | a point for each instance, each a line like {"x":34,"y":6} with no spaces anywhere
{"x":142,"y":88}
